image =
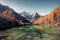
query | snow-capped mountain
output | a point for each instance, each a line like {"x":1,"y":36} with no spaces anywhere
{"x":30,"y":16}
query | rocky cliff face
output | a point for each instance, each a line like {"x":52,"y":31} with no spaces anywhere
{"x":53,"y":18}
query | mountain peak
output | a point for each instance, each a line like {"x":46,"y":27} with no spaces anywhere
{"x":30,"y":16}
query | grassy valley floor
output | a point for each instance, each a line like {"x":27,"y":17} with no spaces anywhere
{"x":31,"y":32}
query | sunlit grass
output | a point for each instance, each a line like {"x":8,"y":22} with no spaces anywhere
{"x":47,"y":29}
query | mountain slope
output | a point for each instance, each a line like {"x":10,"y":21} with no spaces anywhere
{"x":9,"y":18}
{"x":53,"y":18}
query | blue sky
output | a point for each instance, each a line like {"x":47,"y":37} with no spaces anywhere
{"x":43,"y":7}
